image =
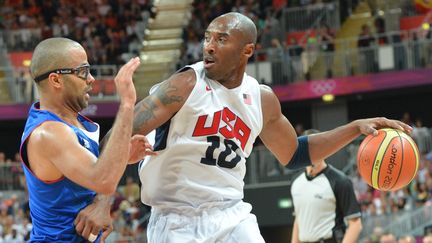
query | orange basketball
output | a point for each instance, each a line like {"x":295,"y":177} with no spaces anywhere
{"x":388,"y":161}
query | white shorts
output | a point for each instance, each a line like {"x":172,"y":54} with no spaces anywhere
{"x":231,"y":224}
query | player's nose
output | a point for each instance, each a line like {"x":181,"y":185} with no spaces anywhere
{"x":209,"y":47}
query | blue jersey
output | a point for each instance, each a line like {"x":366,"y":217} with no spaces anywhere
{"x":54,"y":205}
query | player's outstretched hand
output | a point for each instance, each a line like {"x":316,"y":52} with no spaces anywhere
{"x":371,"y":125}
{"x":140,"y":147}
{"x":124,"y":82}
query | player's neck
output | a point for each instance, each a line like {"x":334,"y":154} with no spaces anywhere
{"x":233,"y":82}
{"x":230,"y":85}
{"x":61,"y":110}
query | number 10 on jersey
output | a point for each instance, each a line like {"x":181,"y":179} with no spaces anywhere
{"x":222,"y":159}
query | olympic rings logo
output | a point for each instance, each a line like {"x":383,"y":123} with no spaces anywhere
{"x":323,"y":87}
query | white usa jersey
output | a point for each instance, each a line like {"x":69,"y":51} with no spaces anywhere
{"x":203,"y":148}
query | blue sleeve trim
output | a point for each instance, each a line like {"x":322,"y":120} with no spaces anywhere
{"x":301,"y":157}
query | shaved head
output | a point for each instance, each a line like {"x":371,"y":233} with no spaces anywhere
{"x":229,"y":42}
{"x":238,"y":21}
{"x":52,"y":53}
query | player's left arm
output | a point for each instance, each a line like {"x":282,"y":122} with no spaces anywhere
{"x":353,"y":231}
{"x":324,"y":144}
{"x":277,"y":134}
{"x":280,"y":138}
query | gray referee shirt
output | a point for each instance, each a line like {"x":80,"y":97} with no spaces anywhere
{"x":322,"y":203}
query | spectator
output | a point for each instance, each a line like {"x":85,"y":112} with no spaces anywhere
{"x":427,"y":238}
{"x":131,"y":190}
{"x":275,"y":56}
{"x":406,"y":118}
{"x":388,"y":238}
{"x":14,"y":237}
{"x":379,"y":23}
{"x":360,"y":187}
{"x":326,"y":40}
{"x":407,"y":239}
{"x":422,"y":137}
{"x":193,"y":49}
{"x":4,"y":171}
{"x":422,"y":193}
{"x":310,"y":53}
{"x":21,"y":84}
{"x":365,"y":37}
{"x":367,"y":54}
{"x":294,"y":51}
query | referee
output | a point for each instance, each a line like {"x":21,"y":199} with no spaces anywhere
{"x":325,"y":206}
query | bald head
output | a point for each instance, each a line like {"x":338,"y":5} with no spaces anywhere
{"x":52,"y":53}
{"x":238,"y":21}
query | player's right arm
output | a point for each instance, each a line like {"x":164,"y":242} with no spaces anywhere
{"x":157,"y":108}
{"x":162,"y":104}
{"x":54,"y":151}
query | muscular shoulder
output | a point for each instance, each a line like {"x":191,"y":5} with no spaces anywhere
{"x":270,"y":103}
{"x":268,"y":97}
{"x":50,"y":132}
{"x":164,"y":101}
{"x":184,"y":80}
{"x":51,"y":129}
{"x":176,"y":88}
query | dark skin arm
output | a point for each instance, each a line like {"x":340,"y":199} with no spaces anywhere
{"x":280,"y":138}
{"x":161,"y":105}
{"x":157,"y":108}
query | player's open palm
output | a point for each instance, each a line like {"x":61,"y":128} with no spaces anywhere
{"x":124,"y":82}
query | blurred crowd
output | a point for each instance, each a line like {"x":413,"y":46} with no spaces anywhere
{"x":108,"y":29}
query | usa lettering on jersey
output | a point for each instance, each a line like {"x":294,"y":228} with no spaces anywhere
{"x":240,"y":130}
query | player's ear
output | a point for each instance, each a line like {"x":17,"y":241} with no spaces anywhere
{"x":249,"y":49}
{"x":54,"y":80}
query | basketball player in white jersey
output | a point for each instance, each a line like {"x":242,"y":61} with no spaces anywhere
{"x":207,"y":117}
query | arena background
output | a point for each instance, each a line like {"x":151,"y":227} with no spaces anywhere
{"x":377,"y":63}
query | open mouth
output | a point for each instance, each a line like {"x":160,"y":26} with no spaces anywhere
{"x":208,"y":62}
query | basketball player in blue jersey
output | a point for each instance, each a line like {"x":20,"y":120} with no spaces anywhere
{"x":60,"y":147}
{"x":207,"y":117}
